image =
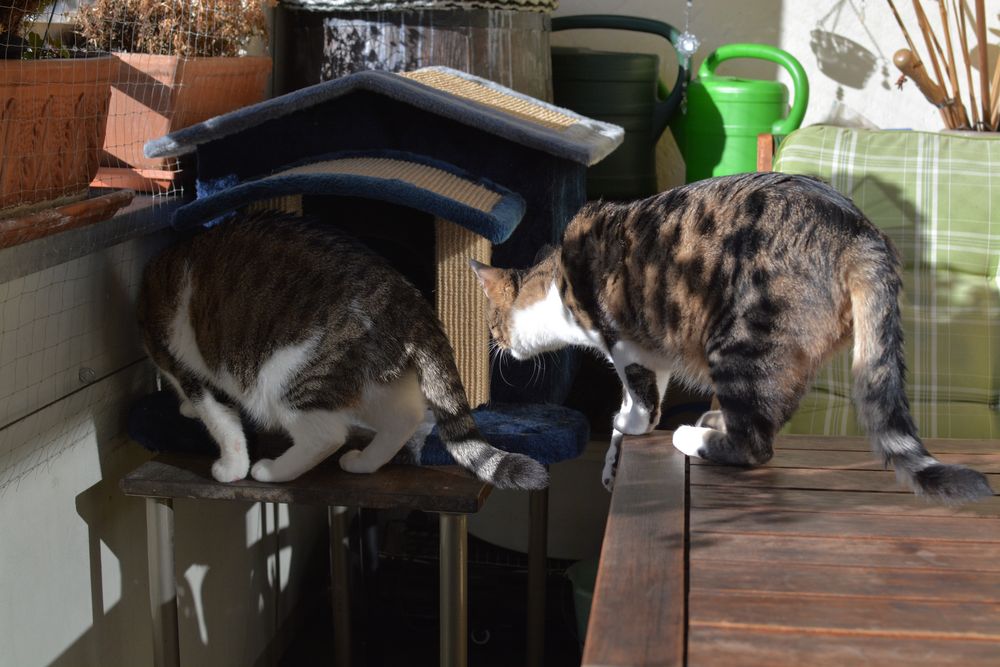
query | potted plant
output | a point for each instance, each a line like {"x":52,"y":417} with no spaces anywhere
{"x":180,"y":62}
{"x":53,"y":106}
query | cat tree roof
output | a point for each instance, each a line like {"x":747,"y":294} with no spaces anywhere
{"x":440,"y":189}
{"x":442,"y":91}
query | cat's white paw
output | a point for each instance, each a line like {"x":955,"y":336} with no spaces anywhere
{"x":608,"y":477}
{"x":690,"y":439}
{"x":187,"y":409}
{"x":352,"y":461}
{"x":230,"y":468}
{"x":712,"y":419}
{"x":634,"y":422}
{"x":610,"y":470}
{"x":266,"y":471}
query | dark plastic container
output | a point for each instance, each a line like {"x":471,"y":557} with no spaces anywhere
{"x":619,"y":88}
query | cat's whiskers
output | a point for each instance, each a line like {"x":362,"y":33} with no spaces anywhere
{"x":497,"y":355}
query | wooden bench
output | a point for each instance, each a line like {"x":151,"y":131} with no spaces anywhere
{"x":448,"y":491}
{"x":818,"y":558}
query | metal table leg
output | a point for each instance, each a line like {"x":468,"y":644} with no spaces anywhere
{"x":162,"y":585}
{"x":454,"y":593}
{"x":538,"y":513}
{"x":340,"y":585}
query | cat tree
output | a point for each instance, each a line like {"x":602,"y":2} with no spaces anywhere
{"x":502,"y":174}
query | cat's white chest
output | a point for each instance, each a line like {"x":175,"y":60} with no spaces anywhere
{"x":547,"y":324}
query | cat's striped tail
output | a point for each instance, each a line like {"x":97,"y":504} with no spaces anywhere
{"x":879,"y":385}
{"x":445,"y":395}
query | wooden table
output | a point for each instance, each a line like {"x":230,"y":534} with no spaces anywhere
{"x":818,"y":558}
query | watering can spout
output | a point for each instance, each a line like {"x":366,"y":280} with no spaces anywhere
{"x":717,"y":132}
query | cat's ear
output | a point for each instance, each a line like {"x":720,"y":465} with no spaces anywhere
{"x":491,"y":279}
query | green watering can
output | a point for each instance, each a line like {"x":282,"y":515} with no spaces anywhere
{"x":718,"y":133}
{"x":619,"y":88}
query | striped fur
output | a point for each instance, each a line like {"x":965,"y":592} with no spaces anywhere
{"x":301,"y":328}
{"x":744,"y":285}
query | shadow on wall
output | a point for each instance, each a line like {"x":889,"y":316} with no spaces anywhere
{"x":842,"y":59}
{"x":233,"y":567}
{"x":237,"y":570}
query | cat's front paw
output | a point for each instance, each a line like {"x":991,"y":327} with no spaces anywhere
{"x":265,"y":470}
{"x":634,"y":422}
{"x":610,"y":470}
{"x":187,"y":409}
{"x":353,"y":461}
{"x":230,"y":468}
{"x":690,"y":440}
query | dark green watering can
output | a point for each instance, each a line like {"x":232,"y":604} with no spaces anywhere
{"x":619,"y":88}
{"x":718,"y":133}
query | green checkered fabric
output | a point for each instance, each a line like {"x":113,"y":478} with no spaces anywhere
{"x":938,"y":197}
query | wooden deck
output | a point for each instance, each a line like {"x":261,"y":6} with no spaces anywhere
{"x":818,"y":558}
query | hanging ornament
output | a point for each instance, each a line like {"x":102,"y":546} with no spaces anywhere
{"x":687,"y":44}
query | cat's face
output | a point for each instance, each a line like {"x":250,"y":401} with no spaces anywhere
{"x":518,"y":310}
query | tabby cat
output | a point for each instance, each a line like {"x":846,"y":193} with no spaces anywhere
{"x":741,"y":284}
{"x":307,"y":331}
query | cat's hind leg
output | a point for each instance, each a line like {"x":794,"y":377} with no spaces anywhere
{"x":316,"y":434}
{"x":756,"y":396}
{"x":394,"y":411}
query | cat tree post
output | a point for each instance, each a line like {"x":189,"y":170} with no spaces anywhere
{"x":461,"y":304}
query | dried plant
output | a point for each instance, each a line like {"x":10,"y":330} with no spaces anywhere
{"x":172,"y":27}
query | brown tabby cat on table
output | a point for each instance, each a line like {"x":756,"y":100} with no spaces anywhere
{"x":741,"y":284}
{"x":307,"y":331}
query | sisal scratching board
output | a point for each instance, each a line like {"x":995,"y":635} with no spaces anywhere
{"x":489,"y":94}
{"x":287,"y":204}
{"x":461,"y":305}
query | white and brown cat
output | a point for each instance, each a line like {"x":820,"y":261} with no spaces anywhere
{"x":743,"y":285}
{"x":307,"y":331}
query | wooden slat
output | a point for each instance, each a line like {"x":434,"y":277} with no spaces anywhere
{"x":715,"y":646}
{"x":805,"y":478}
{"x":835,"y":502}
{"x":815,"y":524}
{"x":776,"y":550}
{"x":431,"y":489}
{"x":29,"y":227}
{"x":860,"y":444}
{"x":964,"y":621}
{"x":855,"y":460}
{"x":795,"y":579}
{"x":637,"y":615}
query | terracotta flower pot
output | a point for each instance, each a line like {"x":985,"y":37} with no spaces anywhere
{"x":52,"y":122}
{"x":153,"y":95}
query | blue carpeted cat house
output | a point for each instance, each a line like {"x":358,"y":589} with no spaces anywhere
{"x":473,"y":169}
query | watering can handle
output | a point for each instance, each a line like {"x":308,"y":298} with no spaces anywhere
{"x":663,"y":108}
{"x":775,"y":55}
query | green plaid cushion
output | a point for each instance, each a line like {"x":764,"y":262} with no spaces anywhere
{"x":938,"y":197}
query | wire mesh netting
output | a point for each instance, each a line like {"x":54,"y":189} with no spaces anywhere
{"x":85,"y":83}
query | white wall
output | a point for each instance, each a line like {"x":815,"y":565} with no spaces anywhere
{"x":72,"y":546}
{"x":863,"y":33}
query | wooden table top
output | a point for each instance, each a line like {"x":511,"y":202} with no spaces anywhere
{"x":818,"y":558}
{"x":427,"y":488}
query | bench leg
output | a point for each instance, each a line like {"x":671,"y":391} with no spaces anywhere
{"x":453,"y":602}
{"x":538,"y":533}
{"x":162,"y":585}
{"x":340,"y":585}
